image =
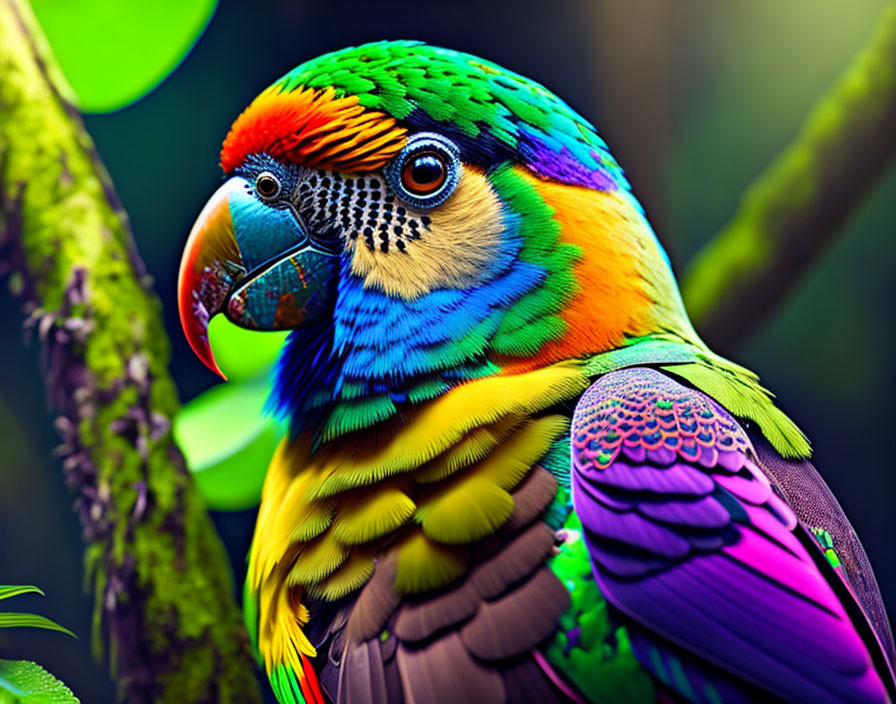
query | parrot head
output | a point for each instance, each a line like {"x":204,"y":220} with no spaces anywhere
{"x":419,"y":217}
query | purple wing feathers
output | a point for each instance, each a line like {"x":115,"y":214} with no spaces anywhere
{"x":689,"y":541}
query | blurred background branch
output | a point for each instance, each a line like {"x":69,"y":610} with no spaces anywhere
{"x":154,"y":562}
{"x":797,"y":205}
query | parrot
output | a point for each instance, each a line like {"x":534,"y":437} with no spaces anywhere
{"x":513,"y":471}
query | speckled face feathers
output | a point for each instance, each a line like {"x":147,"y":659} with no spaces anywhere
{"x":359,"y":207}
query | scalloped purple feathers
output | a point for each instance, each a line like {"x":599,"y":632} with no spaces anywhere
{"x":689,"y":541}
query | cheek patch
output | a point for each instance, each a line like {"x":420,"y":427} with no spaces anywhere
{"x":456,"y":245}
{"x":360,"y":208}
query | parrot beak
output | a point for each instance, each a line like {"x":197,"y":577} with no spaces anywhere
{"x":203,"y":282}
{"x":253,"y":262}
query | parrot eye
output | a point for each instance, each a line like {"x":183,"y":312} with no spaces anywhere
{"x":267,"y":185}
{"x":426,"y":171}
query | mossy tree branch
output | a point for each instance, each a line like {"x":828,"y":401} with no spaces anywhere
{"x":162,"y":584}
{"x":793,"y":209}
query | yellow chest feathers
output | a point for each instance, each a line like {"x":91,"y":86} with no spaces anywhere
{"x":419,"y":489}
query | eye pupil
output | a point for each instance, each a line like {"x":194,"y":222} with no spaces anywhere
{"x":424,"y":173}
{"x":267,"y":185}
{"x":427,"y":169}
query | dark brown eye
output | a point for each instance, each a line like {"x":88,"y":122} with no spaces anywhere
{"x":267,"y":185}
{"x":424,"y":173}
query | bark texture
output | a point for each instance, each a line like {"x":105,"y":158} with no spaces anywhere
{"x":165,"y":611}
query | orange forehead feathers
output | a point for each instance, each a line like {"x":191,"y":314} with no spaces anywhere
{"x":313,"y":128}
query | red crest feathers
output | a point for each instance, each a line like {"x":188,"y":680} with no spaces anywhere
{"x":314,"y":128}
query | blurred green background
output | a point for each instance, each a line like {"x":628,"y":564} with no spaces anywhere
{"x":694,"y":98}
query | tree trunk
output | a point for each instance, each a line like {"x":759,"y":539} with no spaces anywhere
{"x":157,"y":568}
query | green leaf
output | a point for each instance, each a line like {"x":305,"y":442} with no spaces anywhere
{"x":10,"y":687}
{"x":24,"y":682}
{"x":243,"y":354}
{"x":228,"y":440}
{"x":12,"y":619}
{"x":112,"y":52}
{"x":7,"y":591}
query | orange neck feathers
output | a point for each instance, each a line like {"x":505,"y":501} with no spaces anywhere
{"x":626,"y":288}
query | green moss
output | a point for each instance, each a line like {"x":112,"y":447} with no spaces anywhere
{"x":153,"y":560}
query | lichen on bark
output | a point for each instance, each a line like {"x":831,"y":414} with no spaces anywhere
{"x":162,"y":584}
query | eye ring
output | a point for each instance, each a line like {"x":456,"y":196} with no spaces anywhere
{"x":267,"y":185}
{"x":426,"y":171}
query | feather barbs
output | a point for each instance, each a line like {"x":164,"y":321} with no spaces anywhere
{"x":425,"y":564}
{"x":312,"y":127}
{"x":281,"y":639}
{"x":327,"y":515}
{"x":461,"y":247}
{"x":476,"y":502}
{"x":465,"y":511}
{"x":442,"y":423}
{"x":621,"y":283}
{"x":368,"y":515}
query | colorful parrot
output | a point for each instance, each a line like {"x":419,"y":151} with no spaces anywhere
{"x":513,"y":472}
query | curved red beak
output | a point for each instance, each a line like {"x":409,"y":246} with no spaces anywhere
{"x":210,"y":258}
